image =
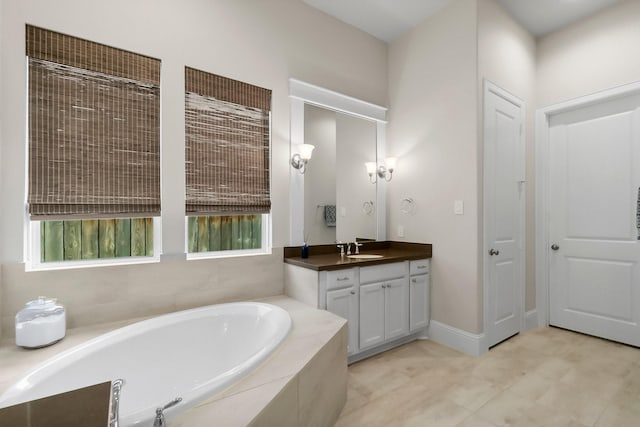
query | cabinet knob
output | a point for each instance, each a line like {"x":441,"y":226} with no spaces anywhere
{"x":353,"y":292}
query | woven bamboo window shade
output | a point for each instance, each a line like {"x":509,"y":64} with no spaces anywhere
{"x":227,"y":145}
{"x":94,"y":129}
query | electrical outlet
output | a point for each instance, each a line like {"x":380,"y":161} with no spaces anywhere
{"x":401,"y":231}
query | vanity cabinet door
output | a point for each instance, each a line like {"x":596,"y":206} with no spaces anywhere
{"x":344,"y":303}
{"x":372,"y":314}
{"x":419,"y":302}
{"x":396,"y":308}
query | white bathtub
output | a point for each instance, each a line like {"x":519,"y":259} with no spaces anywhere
{"x":191,"y":354}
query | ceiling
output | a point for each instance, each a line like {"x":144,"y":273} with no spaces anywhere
{"x":541,"y":17}
{"x":388,"y":19}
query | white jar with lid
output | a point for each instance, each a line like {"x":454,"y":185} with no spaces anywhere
{"x":40,"y":323}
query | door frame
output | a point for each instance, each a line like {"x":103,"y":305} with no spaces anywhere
{"x":492,"y":88}
{"x":543,"y":116}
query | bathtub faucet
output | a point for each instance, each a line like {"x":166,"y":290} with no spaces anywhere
{"x":159,"y":421}
{"x":116,"y":389}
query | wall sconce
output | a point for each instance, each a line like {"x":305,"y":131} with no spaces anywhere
{"x":299,"y":160}
{"x":383,"y":171}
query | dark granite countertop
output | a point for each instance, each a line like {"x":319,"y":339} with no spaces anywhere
{"x":327,"y":257}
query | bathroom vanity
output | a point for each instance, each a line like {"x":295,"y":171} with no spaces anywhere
{"x":385,"y":299}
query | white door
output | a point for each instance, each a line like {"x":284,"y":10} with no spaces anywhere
{"x":396,"y":308}
{"x":418,"y":302}
{"x":594,"y":254}
{"x":371,"y":314}
{"x":503,"y":213}
{"x":344,"y":303}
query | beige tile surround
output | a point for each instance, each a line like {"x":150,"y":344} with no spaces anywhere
{"x":545,"y":377}
{"x":303,"y":382}
{"x":107,"y":294}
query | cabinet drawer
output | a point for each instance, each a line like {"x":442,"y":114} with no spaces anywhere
{"x":380,"y":273}
{"x":340,"y":278}
{"x":420,"y":266}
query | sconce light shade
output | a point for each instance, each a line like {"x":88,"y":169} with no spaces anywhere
{"x":306,"y":150}
{"x":371,"y":167}
{"x":299,"y":160}
{"x":390,"y":163}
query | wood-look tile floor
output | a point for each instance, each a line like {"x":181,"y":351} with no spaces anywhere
{"x":544,"y":377}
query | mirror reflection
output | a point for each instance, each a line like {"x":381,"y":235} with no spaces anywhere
{"x":339,"y":199}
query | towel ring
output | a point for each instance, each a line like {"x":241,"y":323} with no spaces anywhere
{"x":367,"y":207}
{"x":408,"y":206}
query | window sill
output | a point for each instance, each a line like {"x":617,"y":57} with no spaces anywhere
{"x":228,"y":254}
{"x":72,"y":265}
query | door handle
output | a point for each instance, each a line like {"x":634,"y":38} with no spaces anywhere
{"x":493,"y":252}
{"x":555,"y":247}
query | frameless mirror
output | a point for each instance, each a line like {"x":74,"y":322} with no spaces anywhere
{"x":334,"y":199}
{"x":339,"y":199}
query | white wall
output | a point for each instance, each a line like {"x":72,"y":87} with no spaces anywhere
{"x":506,"y":56}
{"x":433,"y":131}
{"x":433,"y":77}
{"x":436,"y":75}
{"x":320,"y":177}
{"x":263,"y":43}
{"x":1,"y":164}
{"x":598,"y":53}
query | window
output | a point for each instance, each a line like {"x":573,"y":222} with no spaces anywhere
{"x":227,"y":131}
{"x":94,"y":148}
{"x":224,"y":233}
{"x":76,"y":240}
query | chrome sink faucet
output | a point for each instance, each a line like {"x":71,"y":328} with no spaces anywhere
{"x":349,"y":248}
{"x":357,"y":245}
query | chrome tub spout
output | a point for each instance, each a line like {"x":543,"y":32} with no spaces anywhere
{"x":116,"y":388}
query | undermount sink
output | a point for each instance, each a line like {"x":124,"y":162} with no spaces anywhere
{"x":364,"y":256}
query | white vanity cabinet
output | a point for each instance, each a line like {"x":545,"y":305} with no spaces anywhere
{"x":342,"y":299}
{"x":396,"y":309}
{"x":371,"y":314}
{"x":419,"y":295}
{"x":384,"y":304}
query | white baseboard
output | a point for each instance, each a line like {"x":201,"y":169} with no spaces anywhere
{"x":530,"y":319}
{"x":466,"y":342}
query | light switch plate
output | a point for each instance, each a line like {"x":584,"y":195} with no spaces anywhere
{"x":458,"y":207}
